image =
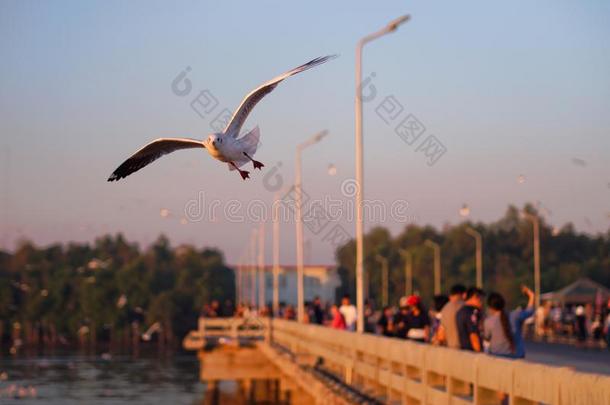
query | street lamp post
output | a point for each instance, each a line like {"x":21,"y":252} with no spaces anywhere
{"x":252,"y":265}
{"x":408,"y":256}
{"x":238,"y":272}
{"x":384,"y":279}
{"x":238,"y":285}
{"x":261,"y":266}
{"x":536,"y":223}
{"x":243,"y":275}
{"x":391,"y":27}
{"x":276,"y":254}
{"x":299,"y":221}
{"x":437,"y":264}
{"x":479,"y":254}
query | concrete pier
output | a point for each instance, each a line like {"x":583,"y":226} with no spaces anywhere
{"x":285,"y":362}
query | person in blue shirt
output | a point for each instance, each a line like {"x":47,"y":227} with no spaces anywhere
{"x":517,"y":317}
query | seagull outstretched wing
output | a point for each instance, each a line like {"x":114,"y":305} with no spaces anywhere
{"x":152,"y":152}
{"x":256,"y":95}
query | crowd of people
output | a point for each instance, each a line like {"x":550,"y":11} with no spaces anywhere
{"x":458,"y":321}
{"x":587,"y":323}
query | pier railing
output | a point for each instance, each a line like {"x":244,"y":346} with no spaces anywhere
{"x":405,"y":372}
{"x":413,"y":373}
{"x":232,"y":328}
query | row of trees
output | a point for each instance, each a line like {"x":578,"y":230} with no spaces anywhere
{"x":61,"y":293}
{"x":101,"y":290}
{"x":507,"y":257}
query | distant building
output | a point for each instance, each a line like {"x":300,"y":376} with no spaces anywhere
{"x":319,"y":280}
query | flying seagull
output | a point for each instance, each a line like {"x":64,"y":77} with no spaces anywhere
{"x":225,"y":146}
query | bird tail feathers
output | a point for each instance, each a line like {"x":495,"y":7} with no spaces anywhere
{"x":250,"y":142}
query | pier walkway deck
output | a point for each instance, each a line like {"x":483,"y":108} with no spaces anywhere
{"x":313,"y":364}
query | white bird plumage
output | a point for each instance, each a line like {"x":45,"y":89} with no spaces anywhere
{"x":225,"y":146}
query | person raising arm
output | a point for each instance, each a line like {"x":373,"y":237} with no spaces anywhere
{"x":517,"y":317}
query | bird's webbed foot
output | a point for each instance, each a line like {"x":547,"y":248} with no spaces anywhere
{"x":244,"y":174}
{"x":257,"y":165}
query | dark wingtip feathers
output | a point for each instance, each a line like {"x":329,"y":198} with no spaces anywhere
{"x":118,"y":174}
{"x":319,"y":60}
{"x":313,"y":63}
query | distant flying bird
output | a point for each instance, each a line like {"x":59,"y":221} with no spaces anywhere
{"x":579,"y":162}
{"x":224,"y":146}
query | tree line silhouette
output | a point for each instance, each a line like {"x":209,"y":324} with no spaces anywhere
{"x":110,"y":291}
{"x":508,"y":259}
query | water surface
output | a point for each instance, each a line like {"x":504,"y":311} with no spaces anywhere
{"x":73,"y":378}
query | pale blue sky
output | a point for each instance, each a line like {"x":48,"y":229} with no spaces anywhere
{"x":509,"y":89}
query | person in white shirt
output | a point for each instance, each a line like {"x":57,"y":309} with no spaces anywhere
{"x":349,"y":313}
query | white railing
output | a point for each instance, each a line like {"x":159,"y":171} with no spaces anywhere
{"x":399,"y":371}
{"x":233,"y":328}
